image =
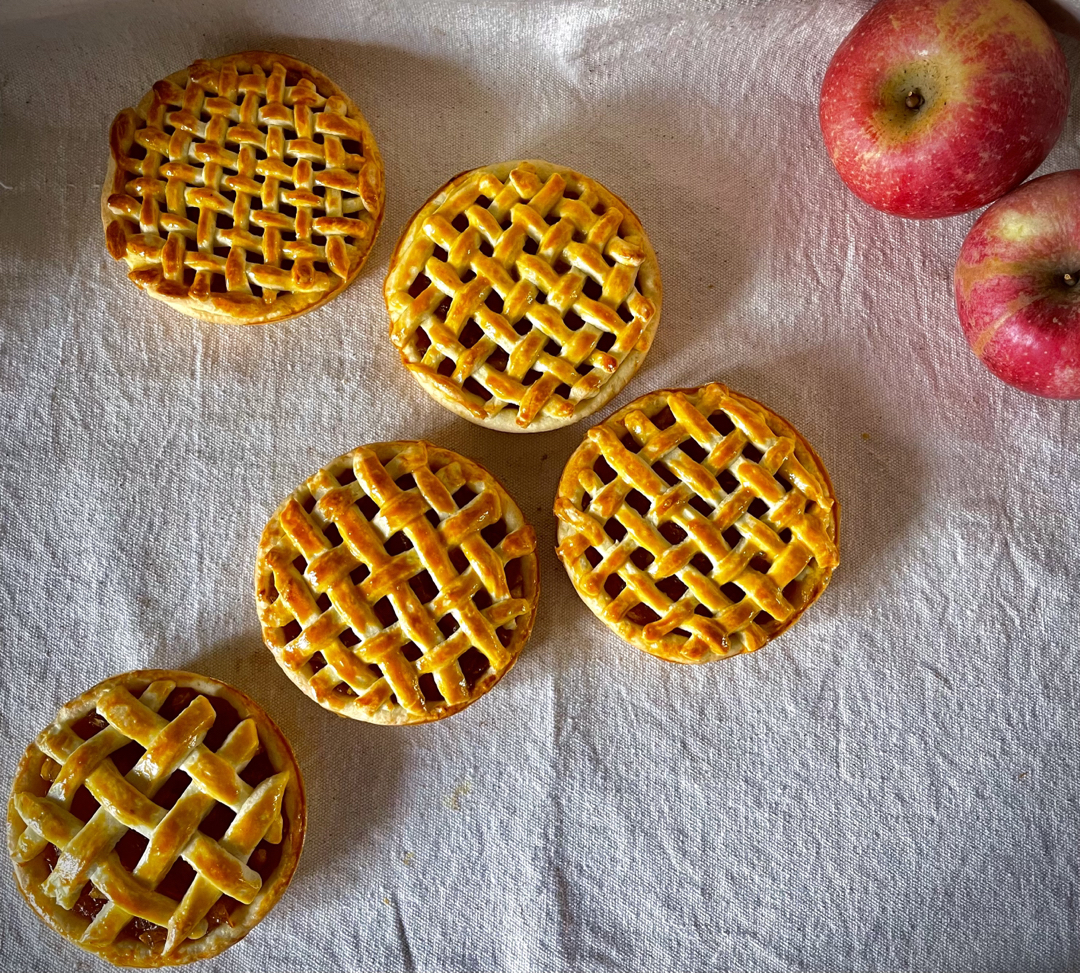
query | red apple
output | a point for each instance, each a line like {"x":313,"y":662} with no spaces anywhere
{"x":1018,"y":286}
{"x":936,"y":107}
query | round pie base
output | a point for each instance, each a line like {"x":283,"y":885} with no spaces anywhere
{"x":408,"y":263}
{"x":325,"y":655}
{"x":696,"y":576}
{"x":145,"y":269}
{"x":132,"y":952}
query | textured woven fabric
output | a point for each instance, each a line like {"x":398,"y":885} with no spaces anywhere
{"x":891,"y":785}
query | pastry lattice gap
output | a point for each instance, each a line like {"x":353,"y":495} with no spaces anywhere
{"x":129,"y":849}
{"x":231,"y":209}
{"x":672,"y":586}
{"x":473,"y":662}
{"x":472,"y":332}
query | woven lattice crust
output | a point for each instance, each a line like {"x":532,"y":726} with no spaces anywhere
{"x":398,"y":584}
{"x":523,"y":296}
{"x":243,"y":190}
{"x":157,"y":820}
{"x":697,"y":523}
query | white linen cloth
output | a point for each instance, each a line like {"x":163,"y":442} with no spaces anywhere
{"x":892,"y":785}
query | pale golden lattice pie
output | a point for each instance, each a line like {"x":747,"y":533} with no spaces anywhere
{"x":697,"y":523}
{"x":523,"y":296}
{"x":243,"y":190}
{"x":398,"y":584}
{"x":157,"y":820}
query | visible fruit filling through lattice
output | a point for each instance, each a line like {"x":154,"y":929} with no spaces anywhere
{"x":224,"y":221}
{"x":267,"y":225}
{"x":672,"y":586}
{"x":473,"y":663}
{"x":129,"y":849}
{"x":497,"y":358}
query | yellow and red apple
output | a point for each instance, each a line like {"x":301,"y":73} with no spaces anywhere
{"x":1018,"y":286}
{"x":935,"y":107}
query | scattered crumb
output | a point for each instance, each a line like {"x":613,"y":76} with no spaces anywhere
{"x":866,"y":435}
{"x":711,"y":286}
{"x":453,"y":801}
{"x":1023,"y":775}
{"x":386,"y":901}
{"x":408,"y":858}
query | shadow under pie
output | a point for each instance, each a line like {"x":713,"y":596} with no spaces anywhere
{"x":880,"y":472}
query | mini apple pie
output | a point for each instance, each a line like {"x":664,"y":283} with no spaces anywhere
{"x":697,"y":523}
{"x":398,"y":584}
{"x":157,"y":820}
{"x":523,"y":296}
{"x":243,"y":190}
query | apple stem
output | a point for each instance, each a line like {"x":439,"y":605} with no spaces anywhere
{"x":914,"y":98}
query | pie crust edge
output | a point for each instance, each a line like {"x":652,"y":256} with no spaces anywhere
{"x":132,"y":952}
{"x":648,"y":283}
{"x":290,"y":305}
{"x":398,"y":716}
{"x":668,"y":647}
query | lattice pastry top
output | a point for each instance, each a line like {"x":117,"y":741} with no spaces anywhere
{"x":398,"y":584}
{"x":243,"y":190}
{"x":697,"y":523}
{"x":523,"y":296}
{"x":157,"y":820}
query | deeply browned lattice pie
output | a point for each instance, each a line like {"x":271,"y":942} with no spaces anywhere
{"x":398,"y":584}
{"x":697,"y":523}
{"x":157,"y":820}
{"x":523,"y":296}
{"x":243,"y":190}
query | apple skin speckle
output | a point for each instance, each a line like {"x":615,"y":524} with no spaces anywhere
{"x":993,"y":95}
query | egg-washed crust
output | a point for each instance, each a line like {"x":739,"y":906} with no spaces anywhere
{"x":110,"y":699}
{"x":222,"y":216}
{"x":523,"y":296}
{"x":397,"y":585}
{"x":697,"y":523}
